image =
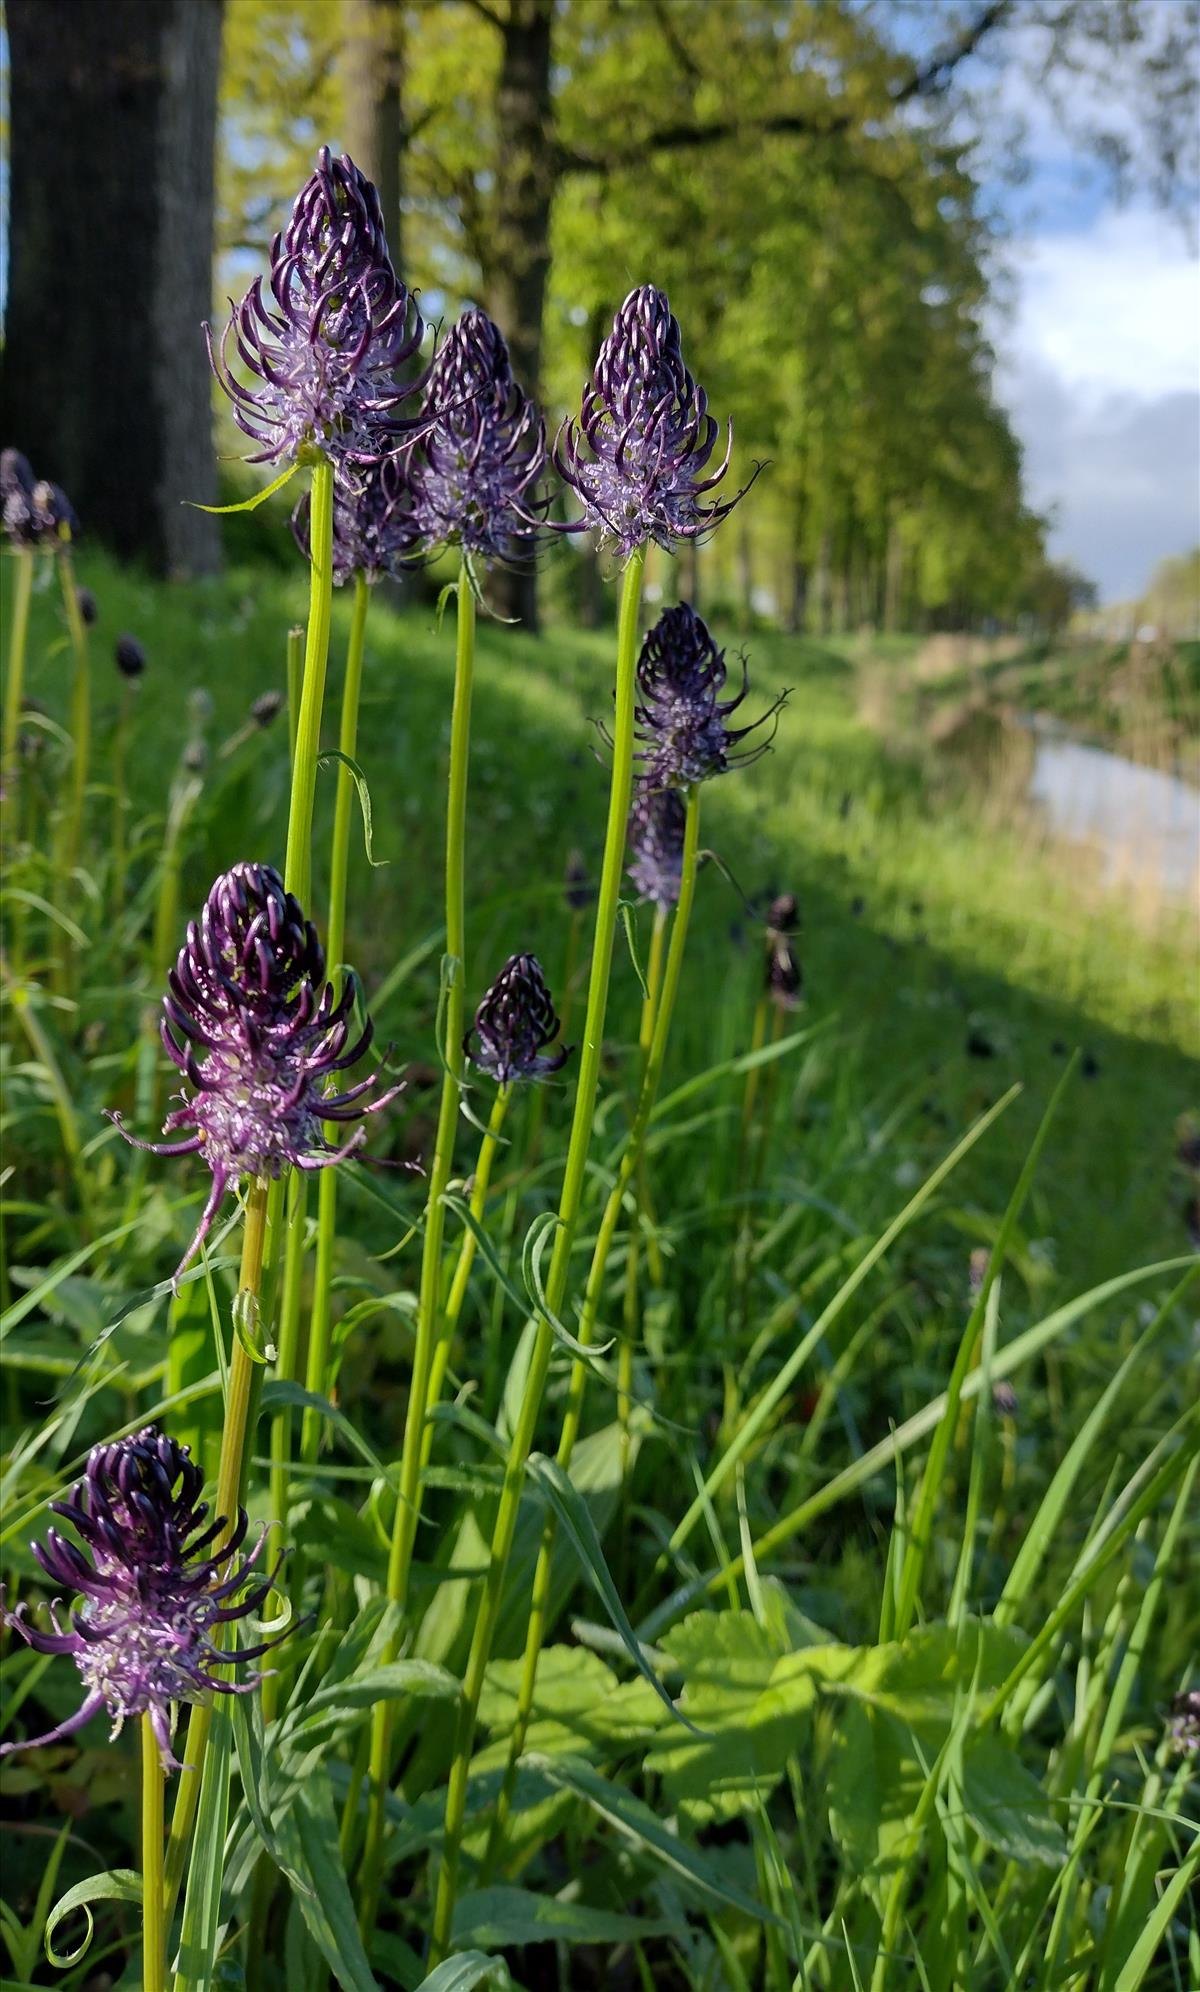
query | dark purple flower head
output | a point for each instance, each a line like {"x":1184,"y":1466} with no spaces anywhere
{"x":130,"y":657}
{"x":33,"y":513}
{"x":17,"y":485}
{"x":267,"y":708}
{"x":644,"y":437}
{"x":142,"y":1637}
{"x":88,"y":607}
{"x":682,"y":721}
{"x":372,"y":522}
{"x":514,"y":1024}
{"x":1185,"y":1719}
{"x":479,"y":452}
{"x":655,"y":839}
{"x":325,"y":345}
{"x":54,"y":513}
{"x":257,"y":1033}
{"x":784,"y":979}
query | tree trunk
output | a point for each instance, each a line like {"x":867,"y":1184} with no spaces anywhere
{"x":824,"y":589}
{"x":106,"y":387}
{"x":518,"y":264}
{"x":373,"y":60}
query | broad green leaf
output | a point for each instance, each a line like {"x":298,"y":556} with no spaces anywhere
{"x":467,"y":1971}
{"x":1007,"y":1806}
{"x":309,"y":1834}
{"x":493,"y":1918}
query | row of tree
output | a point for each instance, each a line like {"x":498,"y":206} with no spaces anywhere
{"x":803,"y":176}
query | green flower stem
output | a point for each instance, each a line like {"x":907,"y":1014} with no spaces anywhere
{"x":286,"y":1365}
{"x":316,"y":1378}
{"x":298,"y":864}
{"x":240,"y":1389}
{"x":657,"y":1012}
{"x":404,"y":1527}
{"x":568,"y":1219}
{"x":295,"y":679}
{"x":15,"y":684}
{"x":466,"y":1258}
{"x":629,"y":1311}
{"x":154,"y":1924}
{"x":120,"y":801}
{"x":81,"y":712}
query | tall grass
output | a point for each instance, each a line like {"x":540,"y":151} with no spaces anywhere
{"x":860,"y":1605}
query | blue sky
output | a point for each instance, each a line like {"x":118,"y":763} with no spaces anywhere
{"x":1098,"y":344}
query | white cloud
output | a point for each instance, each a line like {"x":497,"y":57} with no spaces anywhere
{"x":1100,"y":367}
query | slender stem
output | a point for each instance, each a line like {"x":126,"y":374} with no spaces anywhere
{"x":404,"y":1527}
{"x":466,"y":1258}
{"x":335,"y":943}
{"x":295,"y":679}
{"x":154,"y":1922}
{"x":81,"y":712}
{"x":298,"y":864}
{"x":239,"y":1392}
{"x":629,"y":1311}
{"x":119,"y":760}
{"x":15,"y":684}
{"x":656,"y":1025}
{"x":568,"y":1217}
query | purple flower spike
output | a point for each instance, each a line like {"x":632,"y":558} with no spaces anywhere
{"x":480,"y":450}
{"x":325,"y":346}
{"x":784,"y":978}
{"x":372,"y":523}
{"x":644,"y":437}
{"x":682,"y":720}
{"x":655,"y":835}
{"x":514,"y":1024}
{"x":256,"y":1032}
{"x":141,"y":1638}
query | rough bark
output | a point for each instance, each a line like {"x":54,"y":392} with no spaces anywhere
{"x":518,"y":264}
{"x":373,"y":61}
{"x":105,"y":385}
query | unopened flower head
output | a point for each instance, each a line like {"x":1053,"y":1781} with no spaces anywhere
{"x":151,"y":1597}
{"x":130,"y":657}
{"x":372,"y":522}
{"x":514,"y":1024}
{"x":323,"y":347}
{"x":1185,"y":1720}
{"x":638,"y":455}
{"x":479,"y":452}
{"x":655,"y":839}
{"x":682,"y":720}
{"x":257,"y":1033}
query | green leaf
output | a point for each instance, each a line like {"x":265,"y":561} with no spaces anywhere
{"x":753,"y":1699}
{"x":497,"y":1917}
{"x":202,"y":1903}
{"x":1007,"y":1806}
{"x":635,"y":1822}
{"x":250,"y":504}
{"x":324,"y":1715}
{"x":631,"y":940}
{"x":573,"y":1512}
{"x":117,"y":1885}
{"x":364,"y":799}
{"x":537,"y":1238}
{"x":280,"y":1391}
{"x":463,"y":1973}
{"x":309,"y":1835}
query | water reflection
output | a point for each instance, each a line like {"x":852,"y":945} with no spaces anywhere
{"x":1144,"y":824}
